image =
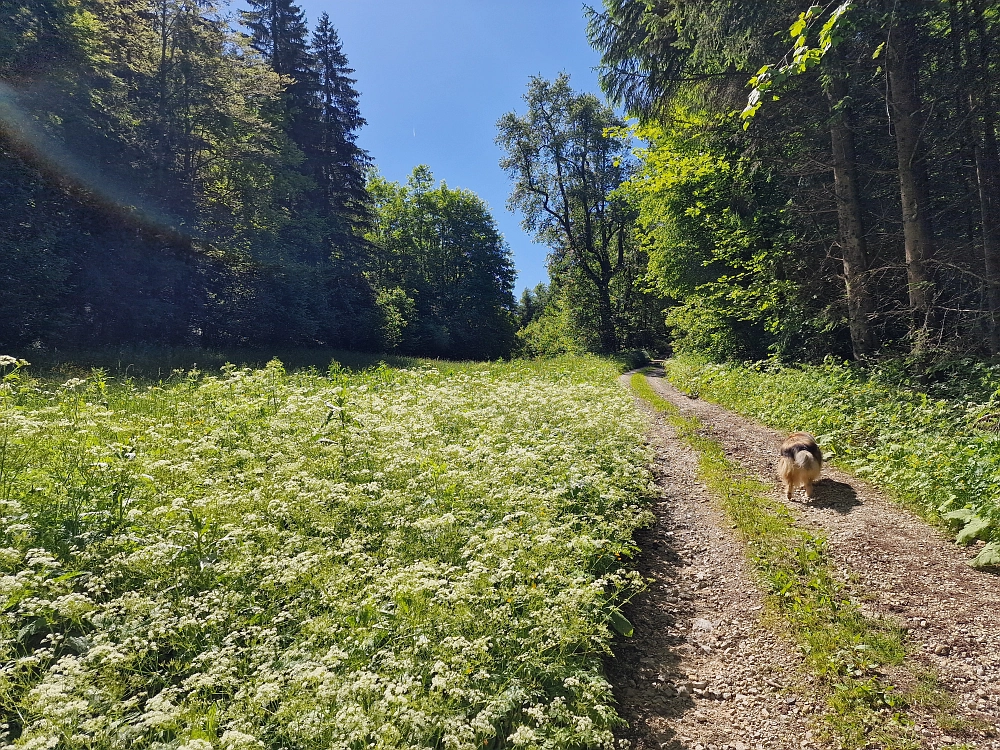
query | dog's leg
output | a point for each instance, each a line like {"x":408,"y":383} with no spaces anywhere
{"x":809,"y":489}
{"x":788,"y":490}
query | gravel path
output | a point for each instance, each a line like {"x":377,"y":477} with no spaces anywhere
{"x":703,"y":670}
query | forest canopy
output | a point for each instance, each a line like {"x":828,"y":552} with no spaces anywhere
{"x":175,"y":175}
{"x":763,"y":179}
{"x":851,"y":208}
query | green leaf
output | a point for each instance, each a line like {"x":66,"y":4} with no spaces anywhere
{"x":975,"y":529}
{"x":29,"y":630}
{"x":960,"y":517}
{"x":878,"y":51}
{"x":988,"y":557}
{"x":620,"y":623}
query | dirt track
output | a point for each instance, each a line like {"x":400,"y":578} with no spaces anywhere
{"x":704,"y":670}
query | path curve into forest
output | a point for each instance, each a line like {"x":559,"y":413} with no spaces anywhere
{"x":704,"y":669}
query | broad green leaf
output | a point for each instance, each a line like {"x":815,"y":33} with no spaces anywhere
{"x":960,"y":517}
{"x":975,"y":529}
{"x":988,"y":557}
{"x":620,"y":623}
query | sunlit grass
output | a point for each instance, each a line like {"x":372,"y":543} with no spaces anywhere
{"x":417,"y":557}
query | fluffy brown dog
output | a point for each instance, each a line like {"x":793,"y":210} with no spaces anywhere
{"x":800,"y":463}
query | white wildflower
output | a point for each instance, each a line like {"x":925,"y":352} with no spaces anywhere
{"x":523,"y":736}
{"x":39,"y":743}
{"x":267,"y":693}
{"x":72,"y":606}
{"x":161,"y":712}
{"x":536,"y":712}
{"x":233,"y":740}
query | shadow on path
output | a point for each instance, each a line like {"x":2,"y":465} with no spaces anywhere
{"x":838,"y":496}
{"x":645,"y":667}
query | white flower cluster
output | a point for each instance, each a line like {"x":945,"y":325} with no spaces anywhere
{"x":219,"y":563}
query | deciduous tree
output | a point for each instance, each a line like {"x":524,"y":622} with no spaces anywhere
{"x":565,"y":168}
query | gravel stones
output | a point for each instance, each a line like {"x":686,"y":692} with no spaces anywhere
{"x":894,"y":563}
{"x":697,"y":670}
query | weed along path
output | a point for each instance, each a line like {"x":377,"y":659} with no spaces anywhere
{"x":844,"y":622}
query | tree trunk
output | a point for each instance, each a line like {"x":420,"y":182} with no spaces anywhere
{"x":987,"y":171}
{"x":975,"y":90}
{"x":609,"y":339}
{"x":902,"y":61}
{"x":852,"y":231}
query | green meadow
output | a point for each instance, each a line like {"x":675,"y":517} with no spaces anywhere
{"x":380,"y":557}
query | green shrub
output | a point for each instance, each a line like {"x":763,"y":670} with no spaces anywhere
{"x":701,"y":330}
{"x":553,"y":333}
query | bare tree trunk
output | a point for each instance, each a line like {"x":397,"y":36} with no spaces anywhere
{"x":907,"y":118}
{"x":605,"y":311}
{"x":852,"y":231}
{"x":987,"y":171}
{"x":975,"y":90}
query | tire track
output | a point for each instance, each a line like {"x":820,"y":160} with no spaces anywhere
{"x":702,"y":671}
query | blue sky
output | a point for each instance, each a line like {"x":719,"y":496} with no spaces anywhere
{"x":436,"y":75}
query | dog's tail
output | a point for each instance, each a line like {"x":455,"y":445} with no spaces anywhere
{"x":804,"y":459}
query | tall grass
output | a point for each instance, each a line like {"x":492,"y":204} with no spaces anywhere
{"x":264,"y":559}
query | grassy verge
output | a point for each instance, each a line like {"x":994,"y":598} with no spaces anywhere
{"x":849,"y":652}
{"x":934,"y":448}
{"x":257,"y":558}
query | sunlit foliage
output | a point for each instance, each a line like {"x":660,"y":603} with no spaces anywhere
{"x":256,"y":558}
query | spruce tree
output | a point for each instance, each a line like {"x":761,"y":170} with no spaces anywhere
{"x":279,"y":32}
{"x":340,"y":163}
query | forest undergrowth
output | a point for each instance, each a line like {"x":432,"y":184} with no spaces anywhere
{"x":933,"y":445}
{"x":254,"y":558}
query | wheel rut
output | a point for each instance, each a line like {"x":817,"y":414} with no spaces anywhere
{"x":706,"y":671}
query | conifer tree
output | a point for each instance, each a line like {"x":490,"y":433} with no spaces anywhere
{"x":340,"y":163}
{"x":279,"y":33}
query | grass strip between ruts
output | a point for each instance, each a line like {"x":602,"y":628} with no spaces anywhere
{"x":847,"y":651}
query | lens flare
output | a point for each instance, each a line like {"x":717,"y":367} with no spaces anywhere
{"x":31,"y":142}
